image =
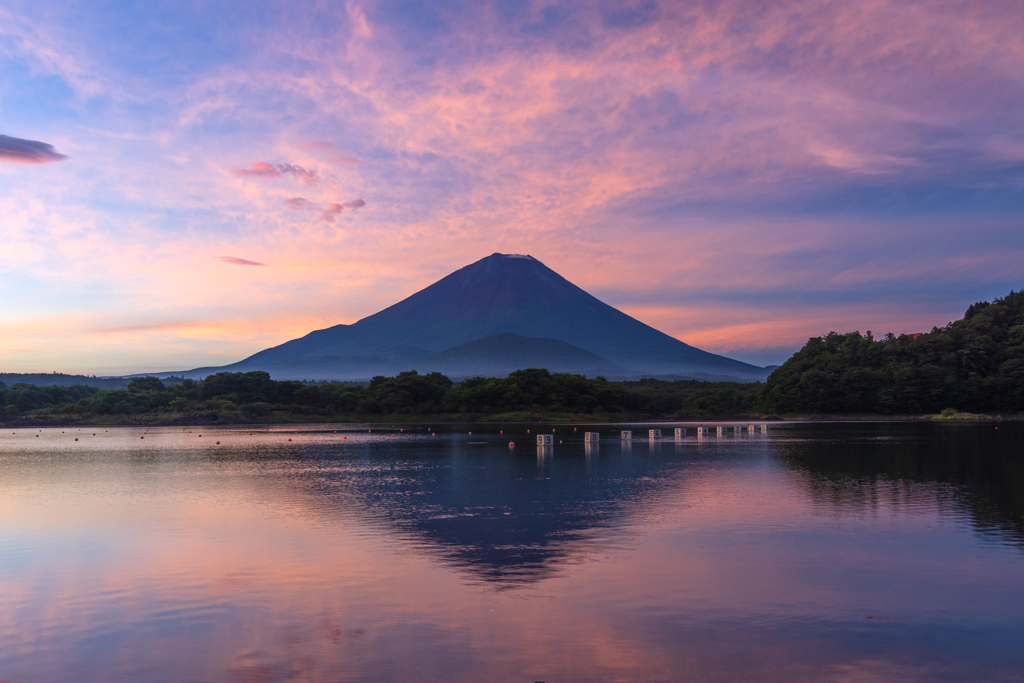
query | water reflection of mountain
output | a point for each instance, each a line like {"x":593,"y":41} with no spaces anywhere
{"x":973,"y":469}
{"x":509,"y":519}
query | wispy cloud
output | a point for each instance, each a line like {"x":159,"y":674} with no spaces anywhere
{"x":240,"y":261}
{"x":335,"y":210}
{"x":18,"y":151}
{"x":262,"y":169}
{"x":331,"y":152}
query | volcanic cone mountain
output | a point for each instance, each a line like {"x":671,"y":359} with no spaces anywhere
{"x":493,"y":316}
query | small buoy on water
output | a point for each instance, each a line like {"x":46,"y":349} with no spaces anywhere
{"x":141,"y":437}
{"x":511,"y":444}
{"x":344,"y":438}
{"x":527,"y":431}
{"x":471,"y":433}
{"x":501,"y":432}
{"x":218,"y":443}
{"x":76,"y":439}
{"x":289,"y":439}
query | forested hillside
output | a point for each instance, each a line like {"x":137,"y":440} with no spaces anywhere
{"x":975,"y":364}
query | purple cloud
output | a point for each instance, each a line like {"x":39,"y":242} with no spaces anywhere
{"x":300,"y":204}
{"x":335,"y":210}
{"x":18,"y":151}
{"x":262,"y":169}
{"x":240,"y":261}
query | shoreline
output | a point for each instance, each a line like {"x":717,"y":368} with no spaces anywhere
{"x":150,"y":420}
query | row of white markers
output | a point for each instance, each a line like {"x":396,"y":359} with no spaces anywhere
{"x":627,"y":434}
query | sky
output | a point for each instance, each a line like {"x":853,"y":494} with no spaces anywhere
{"x":183,"y":184}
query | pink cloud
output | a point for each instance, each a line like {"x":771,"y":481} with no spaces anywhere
{"x":262,"y":169}
{"x":317,"y":146}
{"x":300,"y":204}
{"x":240,"y":261}
{"x":18,"y":151}
{"x":327,"y":147}
{"x":335,"y":210}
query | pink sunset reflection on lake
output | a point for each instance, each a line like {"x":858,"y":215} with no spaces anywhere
{"x":354,"y":555}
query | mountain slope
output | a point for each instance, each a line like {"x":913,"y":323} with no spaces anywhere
{"x":500,"y":354}
{"x":498,"y":294}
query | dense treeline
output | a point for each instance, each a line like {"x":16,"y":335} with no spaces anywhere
{"x":254,"y":395}
{"x":60,"y":379}
{"x":696,"y":399}
{"x":975,"y":364}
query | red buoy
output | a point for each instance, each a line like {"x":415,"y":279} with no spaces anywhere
{"x":511,"y":444}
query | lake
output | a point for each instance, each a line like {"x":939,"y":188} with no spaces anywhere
{"x":818,"y":552}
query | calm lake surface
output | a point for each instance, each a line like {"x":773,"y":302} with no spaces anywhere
{"x":837,"y":552}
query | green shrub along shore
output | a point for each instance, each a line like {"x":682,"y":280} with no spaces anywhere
{"x":972,"y":369}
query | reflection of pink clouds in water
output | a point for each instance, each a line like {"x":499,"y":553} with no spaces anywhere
{"x":262,"y":569}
